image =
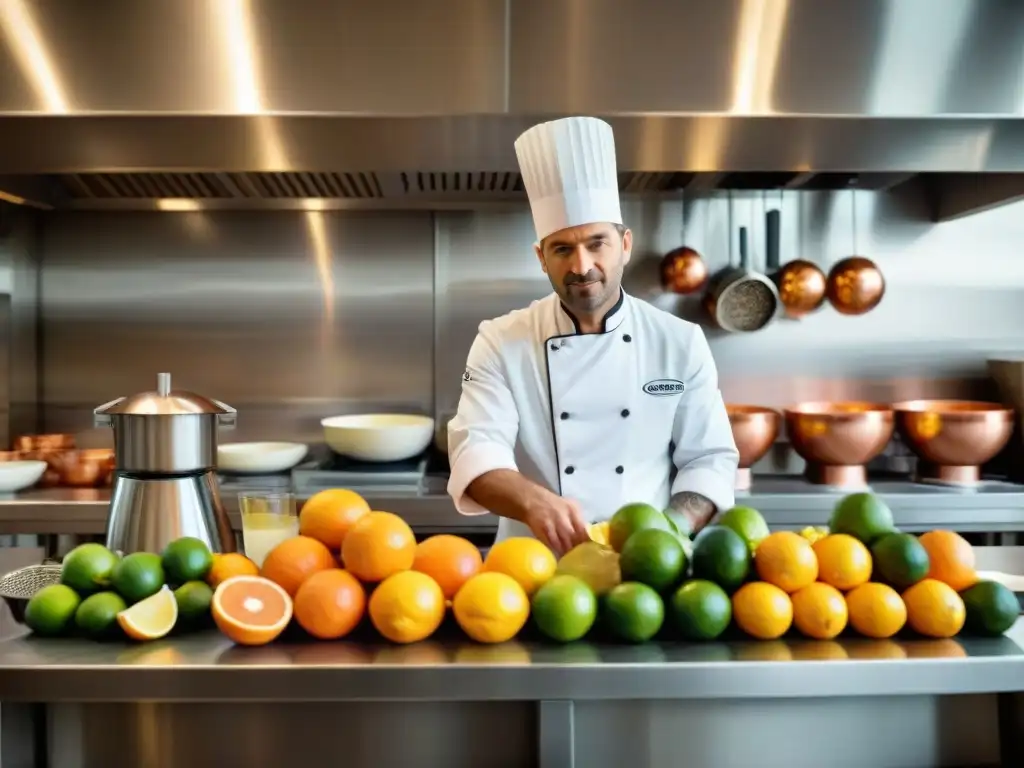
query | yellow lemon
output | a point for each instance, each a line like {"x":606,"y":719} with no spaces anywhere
{"x":407,"y":607}
{"x":599,"y":532}
{"x":526,"y":560}
{"x":491,"y":607}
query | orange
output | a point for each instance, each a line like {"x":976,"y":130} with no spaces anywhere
{"x":819,"y":611}
{"x":251,"y":610}
{"x":330,"y":604}
{"x":378,"y":545}
{"x":294,"y":560}
{"x":526,"y":560}
{"x":843,"y":561}
{"x":951,"y":557}
{"x":762,"y":610}
{"x":491,"y":607}
{"x":876,"y":610}
{"x":407,"y":607}
{"x":448,"y":560}
{"x":934,"y":609}
{"x":330,"y":514}
{"x":230,"y":564}
{"x":787,"y":560}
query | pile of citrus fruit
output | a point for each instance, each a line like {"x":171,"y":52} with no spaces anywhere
{"x":142,"y":596}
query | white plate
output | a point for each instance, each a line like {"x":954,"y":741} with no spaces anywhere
{"x":18,"y":475}
{"x":259,"y":458}
{"x":379,"y":436}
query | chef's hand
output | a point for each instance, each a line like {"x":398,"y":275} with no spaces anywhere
{"x":557,"y":522}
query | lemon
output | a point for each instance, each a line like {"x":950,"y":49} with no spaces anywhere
{"x":526,"y":560}
{"x":151,"y":618}
{"x":600,"y":533}
{"x":491,"y":607}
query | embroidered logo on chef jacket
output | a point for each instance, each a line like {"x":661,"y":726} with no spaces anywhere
{"x":663,"y":387}
{"x":466,"y":376}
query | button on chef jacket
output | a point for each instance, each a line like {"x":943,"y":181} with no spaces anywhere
{"x":632,"y":414}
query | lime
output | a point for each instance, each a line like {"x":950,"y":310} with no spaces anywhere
{"x":991,"y":608}
{"x":633,"y":612}
{"x":564,"y":608}
{"x":700,"y":610}
{"x":51,"y":610}
{"x":722,"y":556}
{"x":632,"y":518}
{"x":193,"y":598}
{"x":900,"y":560}
{"x":96,"y":617}
{"x":596,"y":564}
{"x":654,"y":558}
{"x":137,"y":576}
{"x":862,"y":515}
{"x":187,"y":559}
{"x":747,"y":522}
{"x":87,"y":568}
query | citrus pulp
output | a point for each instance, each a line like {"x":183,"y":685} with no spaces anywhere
{"x":151,"y":618}
{"x":251,"y":610}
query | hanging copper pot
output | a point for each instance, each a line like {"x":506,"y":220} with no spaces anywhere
{"x":855,"y":285}
{"x":801,"y":283}
{"x":684,"y":271}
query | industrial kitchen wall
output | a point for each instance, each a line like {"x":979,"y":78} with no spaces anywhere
{"x":292,"y":316}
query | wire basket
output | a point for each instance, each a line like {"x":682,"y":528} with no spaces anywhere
{"x":18,"y":587}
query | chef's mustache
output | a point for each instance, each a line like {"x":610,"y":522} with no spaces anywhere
{"x":591,"y":277}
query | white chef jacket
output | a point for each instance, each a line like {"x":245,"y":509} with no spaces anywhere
{"x":603,"y":418}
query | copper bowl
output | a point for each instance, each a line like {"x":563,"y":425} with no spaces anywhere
{"x":87,"y":468}
{"x":838,"y":439}
{"x":54,"y":442}
{"x":754,"y":428}
{"x":953,"y":438}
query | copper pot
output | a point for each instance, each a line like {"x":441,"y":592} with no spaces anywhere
{"x":953,"y":438}
{"x":684,"y":271}
{"x":53,"y":442}
{"x":838,"y":439}
{"x":754,"y":429}
{"x":801,"y":283}
{"x":88,"y":468}
{"x":855,"y":285}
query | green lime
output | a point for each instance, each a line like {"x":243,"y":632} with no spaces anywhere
{"x":96,"y":617}
{"x":87,"y":568}
{"x":564,"y":609}
{"x":187,"y":559}
{"x":900,"y":560}
{"x":633,"y":612}
{"x":52,"y":609}
{"x":862,"y":515}
{"x":722,"y":556}
{"x":991,"y":608}
{"x":700,"y":610}
{"x":632,"y":518}
{"x":193,"y":598}
{"x":137,"y":576}
{"x":596,"y":564}
{"x":747,"y":522}
{"x":655,"y":558}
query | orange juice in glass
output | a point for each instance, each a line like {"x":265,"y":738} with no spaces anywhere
{"x":268,"y":518}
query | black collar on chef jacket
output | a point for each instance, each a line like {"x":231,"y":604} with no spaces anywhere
{"x":610,"y":321}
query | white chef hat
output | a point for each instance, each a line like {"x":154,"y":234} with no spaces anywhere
{"x":569,"y":172}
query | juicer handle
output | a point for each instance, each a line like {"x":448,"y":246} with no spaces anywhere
{"x":228,"y":419}
{"x":101,"y":417}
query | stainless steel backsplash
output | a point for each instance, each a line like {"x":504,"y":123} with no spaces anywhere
{"x":293,"y":316}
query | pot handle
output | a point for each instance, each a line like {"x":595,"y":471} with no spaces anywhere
{"x":228,"y":419}
{"x":100,"y":417}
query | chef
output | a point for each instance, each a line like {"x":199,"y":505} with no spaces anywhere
{"x":587,"y":399}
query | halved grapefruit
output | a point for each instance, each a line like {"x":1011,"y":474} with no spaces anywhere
{"x":251,"y":610}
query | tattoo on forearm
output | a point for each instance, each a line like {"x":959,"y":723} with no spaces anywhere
{"x":698,"y":508}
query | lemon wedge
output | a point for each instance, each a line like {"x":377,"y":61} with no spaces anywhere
{"x":599,"y":532}
{"x":151,"y":618}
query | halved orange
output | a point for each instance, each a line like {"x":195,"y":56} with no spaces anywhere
{"x":251,"y":610}
{"x":152,"y":618}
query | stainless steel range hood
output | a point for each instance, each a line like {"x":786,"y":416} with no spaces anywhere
{"x":397,"y":101}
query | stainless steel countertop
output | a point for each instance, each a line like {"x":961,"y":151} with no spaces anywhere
{"x":786,"y":503}
{"x":207,"y":667}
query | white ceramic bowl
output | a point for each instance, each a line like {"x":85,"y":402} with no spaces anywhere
{"x":257,"y":458}
{"x":378,"y":436}
{"x":18,"y":475}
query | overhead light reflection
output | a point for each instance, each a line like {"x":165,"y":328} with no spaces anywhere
{"x":758,"y":43}
{"x":323,"y":258}
{"x":35,"y":61}
{"x":178,"y":204}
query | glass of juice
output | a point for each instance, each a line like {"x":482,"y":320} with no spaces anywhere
{"x":268,"y":518}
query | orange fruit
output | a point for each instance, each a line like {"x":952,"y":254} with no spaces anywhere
{"x":330,"y":514}
{"x":251,"y":610}
{"x":526,"y":560}
{"x":934,"y":609}
{"x":951,"y":557}
{"x":787,"y":560}
{"x":448,"y":560}
{"x":843,"y":561}
{"x":876,"y":610}
{"x":330,"y":604}
{"x":762,"y":610}
{"x":819,"y":611}
{"x":230,"y":564}
{"x":294,"y":560}
{"x":407,"y":607}
{"x":491,"y":607}
{"x":378,"y":545}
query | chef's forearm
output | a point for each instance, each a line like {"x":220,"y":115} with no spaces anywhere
{"x":698,"y":509}
{"x":506,"y":493}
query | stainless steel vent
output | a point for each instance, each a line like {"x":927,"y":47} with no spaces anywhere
{"x":220,"y":186}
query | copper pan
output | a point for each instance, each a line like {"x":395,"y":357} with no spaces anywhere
{"x":953,"y":438}
{"x":683,"y":271}
{"x":838,"y":439}
{"x":801,"y":283}
{"x":754,"y":428}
